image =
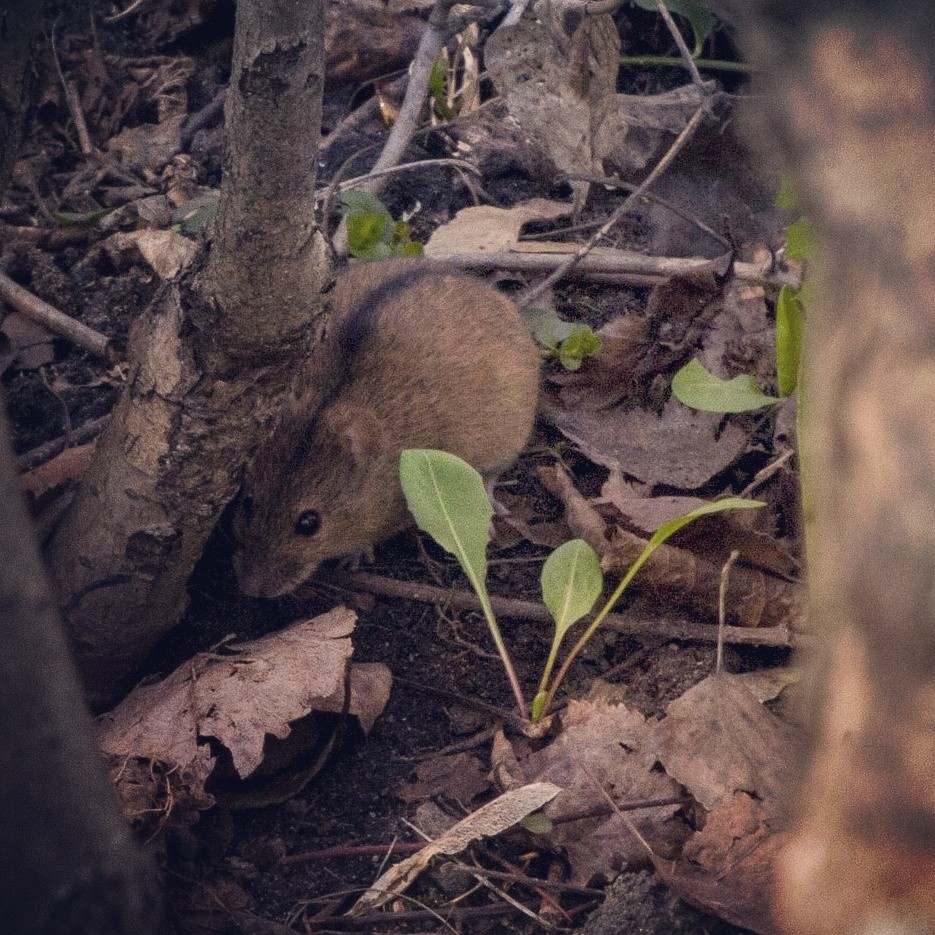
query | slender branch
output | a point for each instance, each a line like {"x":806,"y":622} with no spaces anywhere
{"x":674,"y":627}
{"x":684,"y":51}
{"x":613,"y":262}
{"x":678,"y":144}
{"x":35,"y":309}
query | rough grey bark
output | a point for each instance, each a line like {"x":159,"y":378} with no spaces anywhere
{"x":852,"y":110}
{"x":69,"y":864}
{"x":210,"y":362}
{"x":19,"y":25}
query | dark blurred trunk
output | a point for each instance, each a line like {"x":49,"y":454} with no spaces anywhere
{"x":69,"y":864}
{"x":850,"y":109}
{"x":19,"y":26}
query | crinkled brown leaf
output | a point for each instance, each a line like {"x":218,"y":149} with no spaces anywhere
{"x":679,"y":447}
{"x":718,"y":739}
{"x":241,"y":694}
{"x":461,"y":777}
{"x":602,"y":751}
{"x":29,"y":345}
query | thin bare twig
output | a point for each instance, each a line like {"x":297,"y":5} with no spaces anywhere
{"x":764,"y":474}
{"x":722,"y":607}
{"x":675,"y":627}
{"x":407,"y":120}
{"x":678,"y":144}
{"x":72,"y":99}
{"x":48,"y":450}
{"x":684,"y":51}
{"x":36,"y":310}
{"x":359,"y":180}
{"x":543,"y":257}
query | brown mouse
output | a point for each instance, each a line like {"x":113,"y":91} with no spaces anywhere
{"x":416,"y":357}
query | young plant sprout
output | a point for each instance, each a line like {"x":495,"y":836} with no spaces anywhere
{"x":448,"y":500}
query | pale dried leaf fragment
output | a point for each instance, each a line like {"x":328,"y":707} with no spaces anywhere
{"x":490,"y":819}
{"x":485,"y":227}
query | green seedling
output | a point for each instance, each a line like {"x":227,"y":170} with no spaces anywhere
{"x":438,"y":88}
{"x":699,"y":388}
{"x":447,"y":498}
{"x":565,"y":340}
{"x":198,"y":215}
{"x":695,"y":386}
{"x":372,"y":234}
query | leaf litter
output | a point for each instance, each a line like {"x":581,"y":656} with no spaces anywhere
{"x":223,"y":718}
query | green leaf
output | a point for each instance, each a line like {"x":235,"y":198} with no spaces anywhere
{"x":365,"y":234}
{"x":68,"y":219}
{"x":696,"y":387}
{"x":360,"y":202}
{"x":198,"y":214}
{"x":447,"y":498}
{"x":789,"y":327}
{"x":700,"y":19}
{"x":581,"y":343}
{"x":546,"y":326}
{"x":537,"y":823}
{"x":571,"y":582}
{"x":538,"y":703}
{"x":670,"y":528}
{"x":659,"y":536}
{"x":438,"y":88}
{"x":800,"y":240}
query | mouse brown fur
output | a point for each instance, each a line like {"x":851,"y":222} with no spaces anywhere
{"x":416,"y":357}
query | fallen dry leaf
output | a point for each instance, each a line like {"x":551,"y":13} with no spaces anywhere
{"x":727,"y":867}
{"x":557,"y":72}
{"x":489,"y":820}
{"x":167,"y":252}
{"x":68,"y":466}
{"x":485,"y":227}
{"x":736,"y":760}
{"x":461,"y":777}
{"x":679,"y":448}
{"x":28,"y":344}
{"x":240,"y":695}
{"x":718,"y":739}
{"x":600,"y":754}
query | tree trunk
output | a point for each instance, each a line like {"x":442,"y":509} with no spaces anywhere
{"x":210,"y":362}
{"x":19,"y":27}
{"x":852,"y":89}
{"x":69,"y":864}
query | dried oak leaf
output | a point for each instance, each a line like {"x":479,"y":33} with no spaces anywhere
{"x":678,"y":447}
{"x":602,"y":751}
{"x":735,"y":758}
{"x":240,"y":695}
{"x":460,"y":776}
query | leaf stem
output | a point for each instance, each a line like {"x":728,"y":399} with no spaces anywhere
{"x":711,"y":64}
{"x":481,"y":590}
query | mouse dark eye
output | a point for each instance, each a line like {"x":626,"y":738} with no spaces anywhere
{"x":308,"y":523}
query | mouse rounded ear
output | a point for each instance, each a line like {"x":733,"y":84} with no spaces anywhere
{"x":357,"y":430}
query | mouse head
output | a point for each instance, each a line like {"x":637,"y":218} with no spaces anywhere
{"x":312,"y":493}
